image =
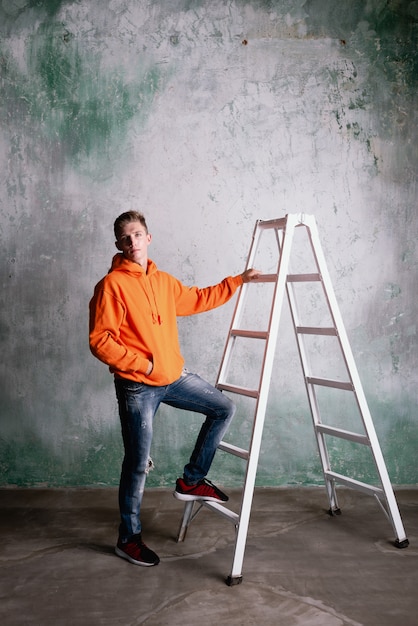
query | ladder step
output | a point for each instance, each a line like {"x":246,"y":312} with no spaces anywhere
{"x":222,"y":510}
{"x":303,"y":278}
{"x":228,"y":447}
{"x":265,"y":278}
{"x":343,"y":434}
{"x":316,"y":330}
{"x":325,"y":382}
{"x":356,"y":484}
{"x":242,"y":391}
{"x":291,"y":278}
{"x":251,"y":334}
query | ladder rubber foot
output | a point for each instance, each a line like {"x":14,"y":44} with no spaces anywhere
{"x":401,"y":544}
{"x":233,"y":580}
{"x":333,"y":512}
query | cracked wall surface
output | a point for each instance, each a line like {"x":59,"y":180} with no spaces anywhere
{"x":206,"y":116}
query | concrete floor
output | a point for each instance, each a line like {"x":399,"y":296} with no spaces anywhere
{"x":301,"y":566}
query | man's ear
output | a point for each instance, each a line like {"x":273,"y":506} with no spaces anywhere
{"x":118,"y":245}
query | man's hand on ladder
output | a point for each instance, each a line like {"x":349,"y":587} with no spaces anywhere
{"x":250,"y":275}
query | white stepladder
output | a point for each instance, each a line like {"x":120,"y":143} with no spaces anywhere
{"x":285,"y":284}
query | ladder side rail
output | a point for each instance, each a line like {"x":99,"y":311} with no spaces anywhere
{"x":239,"y":307}
{"x":394,"y":513}
{"x":226,"y":358}
{"x":247,"y":494}
{"x":279,"y":293}
{"x":339,"y":325}
{"x":355,"y":379}
{"x":258,"y":424}
{"x":186,"y":520}
{"x":306,"y":366}
{"x":307,"y":370}
{"x":312,"y":398}
{"x":322,"y":446}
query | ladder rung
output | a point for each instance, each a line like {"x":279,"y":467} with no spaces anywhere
{"x":316,"y":330}
{"x":303,"y":278}
{"x":343,"y":434}
{"x":228,"y":447}
{"x":251,"y":334}
{"x":325,"y":382}
{"x":355,"y":484}
{"x":265,"y":278}
{"x":222,"y":510}
{"x":243,"y":391}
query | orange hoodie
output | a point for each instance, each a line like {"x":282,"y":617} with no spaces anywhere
{"x":133,"y":319}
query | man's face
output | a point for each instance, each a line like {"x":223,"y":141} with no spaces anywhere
{"x":133,"y":242}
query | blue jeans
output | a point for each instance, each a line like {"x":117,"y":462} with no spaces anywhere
{"x":138,"y":403}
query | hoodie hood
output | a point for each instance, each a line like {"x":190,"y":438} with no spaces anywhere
{"x":120,"y":263}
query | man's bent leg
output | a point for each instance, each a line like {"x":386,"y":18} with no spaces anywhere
{"x":192,"y":393}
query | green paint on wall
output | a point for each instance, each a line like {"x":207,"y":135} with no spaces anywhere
{"x":30,"y":462}
{"x":403,"y":435}
{"x":70,"y":99}
{"x":386,"y":31}
{"x":381,"y":38}
{"x":51,"y":7}
{"x":10,"y":10}
{"x":78,"y":102}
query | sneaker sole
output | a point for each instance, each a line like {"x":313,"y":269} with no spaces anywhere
{"x":188,"y":498}
{"x":123,"y":555}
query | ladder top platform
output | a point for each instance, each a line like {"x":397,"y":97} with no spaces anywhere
{"x":297,"y":218}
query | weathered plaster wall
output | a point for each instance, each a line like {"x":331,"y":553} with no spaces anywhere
{"x":206,"y":115}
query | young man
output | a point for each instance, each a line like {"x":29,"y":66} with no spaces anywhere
{"x":133,"y":329}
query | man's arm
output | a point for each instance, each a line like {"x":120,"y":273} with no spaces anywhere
{"x":191,"y":300}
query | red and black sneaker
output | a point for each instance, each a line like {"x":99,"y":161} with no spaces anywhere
{"x":203,"y":490}
{"x":136,"y":552}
